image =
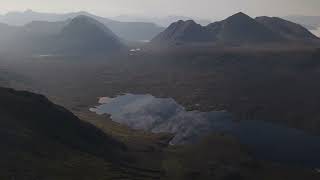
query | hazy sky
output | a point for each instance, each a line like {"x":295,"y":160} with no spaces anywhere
{"x":194,"y":8}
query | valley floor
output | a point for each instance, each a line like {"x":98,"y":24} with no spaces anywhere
{"x":276,"y":86}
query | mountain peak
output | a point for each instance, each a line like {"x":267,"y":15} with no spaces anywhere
{"x":238,"y":28}
{"x":83,"y":23}
{"x":85,"y":34}
{"x":189,"y":24}
{"x":240,"y":16}
{"x":185,"y":23}
{"x":83,"y":18}
{"x":183,"y":31}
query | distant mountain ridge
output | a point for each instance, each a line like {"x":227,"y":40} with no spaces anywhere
{"x":238,"y":28}
{"x":310,"y":22}
{"x":161,"y":21}
{"x":80,"y":35}
{"x":242,"y":28}
{"x":131,"y":31}
{"x":186,"y":31}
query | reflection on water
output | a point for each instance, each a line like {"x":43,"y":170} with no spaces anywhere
{"x":161,"y":115}
{"x":265,"y":140}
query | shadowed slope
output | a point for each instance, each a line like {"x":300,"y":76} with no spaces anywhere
{"x":40,"y":140}
{"x":287,"y":29}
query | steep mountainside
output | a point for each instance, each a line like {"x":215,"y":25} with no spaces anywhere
{"x":287,"y":29}
{"x":41,"y":140}
{"x":310,"y":22}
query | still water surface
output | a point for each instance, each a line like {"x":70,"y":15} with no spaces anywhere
{"x":265,"y":140}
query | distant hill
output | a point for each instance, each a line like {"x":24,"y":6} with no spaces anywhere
{"x":242,"y":28}
{"x":132,"y":31}
{"x":7,"y":32}
{"x":80,"y":35}
{"x":236,"y":29}
{"x":184,"y":31}
{"x":87,"y":35}
{"x":160,"y":21}
{"x":29,"y":38}
{"x":44,"y":27}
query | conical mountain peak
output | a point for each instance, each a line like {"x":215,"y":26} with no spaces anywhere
{"x":239,"y":17}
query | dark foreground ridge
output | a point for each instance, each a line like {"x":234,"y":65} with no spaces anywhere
{"x":41,"y":140}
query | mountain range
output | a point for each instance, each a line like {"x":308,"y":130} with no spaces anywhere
{"x":236,"y":29}
{"x":125,"y":30}
{"x":132,"y":28}
{"x":80,"y":35}
{"x":89,"y":34}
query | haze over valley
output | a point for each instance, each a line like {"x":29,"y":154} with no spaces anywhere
{"x":90,"y":91}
